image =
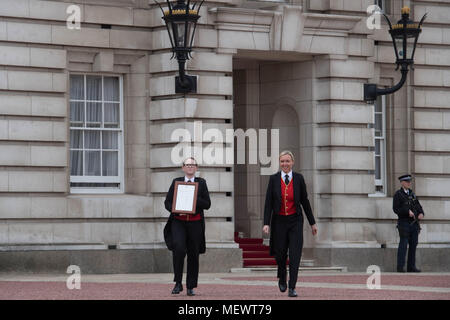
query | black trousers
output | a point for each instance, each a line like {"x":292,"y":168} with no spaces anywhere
{"x":409,"y":235}
{"x":288,"y":235}
{"x":186,"y":236}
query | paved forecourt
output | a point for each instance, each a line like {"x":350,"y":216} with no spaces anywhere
{"x":227,"y":286}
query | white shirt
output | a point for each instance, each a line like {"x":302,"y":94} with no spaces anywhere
{"x":186,"y":179}
{"x":283,"y":175}
{"x":406,"y":191}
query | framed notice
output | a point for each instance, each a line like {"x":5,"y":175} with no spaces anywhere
{"x":185,"y":197}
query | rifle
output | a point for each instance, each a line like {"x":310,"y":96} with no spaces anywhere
{"x":412,"y":204}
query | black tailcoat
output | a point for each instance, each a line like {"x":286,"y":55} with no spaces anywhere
{"x":203,"y":203}
{"x":273,"y":202}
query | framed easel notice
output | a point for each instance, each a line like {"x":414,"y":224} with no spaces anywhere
{"x":185,"y":197}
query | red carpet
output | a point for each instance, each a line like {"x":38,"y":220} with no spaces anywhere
{"x":254,"y":252}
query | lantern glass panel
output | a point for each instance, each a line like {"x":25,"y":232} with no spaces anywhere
{"x":409,"y":47}
{"x":179,"y":34}
{"x":190,"y":33}
{"x":410,"y":50}
{"x":399,"y":47}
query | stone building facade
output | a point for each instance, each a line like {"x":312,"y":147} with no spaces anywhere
{"x":87,"y":117}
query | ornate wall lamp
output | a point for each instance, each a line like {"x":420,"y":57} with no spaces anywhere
{"x":181,"y":22}
{"x":404,"y":38}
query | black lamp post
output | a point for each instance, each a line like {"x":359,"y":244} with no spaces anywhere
{"x":181,"y":22}
{"x":404,"y":37}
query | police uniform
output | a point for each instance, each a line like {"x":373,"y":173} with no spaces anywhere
{"x":408,"y":227}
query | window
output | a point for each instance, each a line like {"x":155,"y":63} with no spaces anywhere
{"x":385,"y":5}
{"x":380,"y":144}
{"x":96,"y":134}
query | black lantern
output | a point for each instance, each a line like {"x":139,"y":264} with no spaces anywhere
{"x":181,"y":21}
{"x":404,"y":38}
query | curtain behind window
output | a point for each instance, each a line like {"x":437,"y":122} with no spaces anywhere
{"x":94,"y":104}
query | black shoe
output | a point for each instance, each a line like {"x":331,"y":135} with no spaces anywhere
{"x":190,"y":292}
{"x":292,"y":293}
{"x":400,"y":270}
{"x":282,"y":285}
{"x":178,"y":288}
{"x":414,"y":269}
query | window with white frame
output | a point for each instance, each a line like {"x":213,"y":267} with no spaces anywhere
{"x":380,"y":144}
{"x":96,"y":133}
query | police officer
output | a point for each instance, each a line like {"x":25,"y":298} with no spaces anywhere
{"x":409,"y":212}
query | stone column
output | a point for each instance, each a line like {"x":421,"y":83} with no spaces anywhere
{"x":343,"y":159}
{"x":209,"y":108}
{"x":430,"y":126}
{"x":249,"y":213}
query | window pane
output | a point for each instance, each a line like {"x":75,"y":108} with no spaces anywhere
{"x":94,"y":105}
{"x":76,"y":114}
{"x":378,"y":124}
{"x":387,"y":6}
{"x":112,"y":117}
{"x":92,"y":163}
{"x":92,"y":139}
{"x":93,"y":114}
{"x":110,"y":140}
{"x":110,"y":163}
{"x":111,"y":89}
{"x":378,"y":106}
{"x":377,"y":147}
{"x":77,"y":87}
{"x":377,"y":168}
{"x":76,"y":163}
{"x":93,"y":88}
{"x":76,"y":139}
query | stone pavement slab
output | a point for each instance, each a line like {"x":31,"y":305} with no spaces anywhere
{"x":226,"y":286}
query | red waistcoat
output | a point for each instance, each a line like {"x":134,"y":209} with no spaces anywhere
{"x":287,"y":198}
{"x":188,"y":217}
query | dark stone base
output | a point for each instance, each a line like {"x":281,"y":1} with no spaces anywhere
{"x":113,"y":261}
{"x":358,"y":259}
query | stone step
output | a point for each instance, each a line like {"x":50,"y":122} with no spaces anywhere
{"x":302,"y":269}
{"x":248,"y":240}
{"x":270,"y":261}
{"x":254,"y":247}
{"x":256,"y":254}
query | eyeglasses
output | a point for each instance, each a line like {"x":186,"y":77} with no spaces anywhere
{"x":189,"y":165}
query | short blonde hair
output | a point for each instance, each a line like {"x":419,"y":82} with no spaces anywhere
{"x":286,"y":152}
